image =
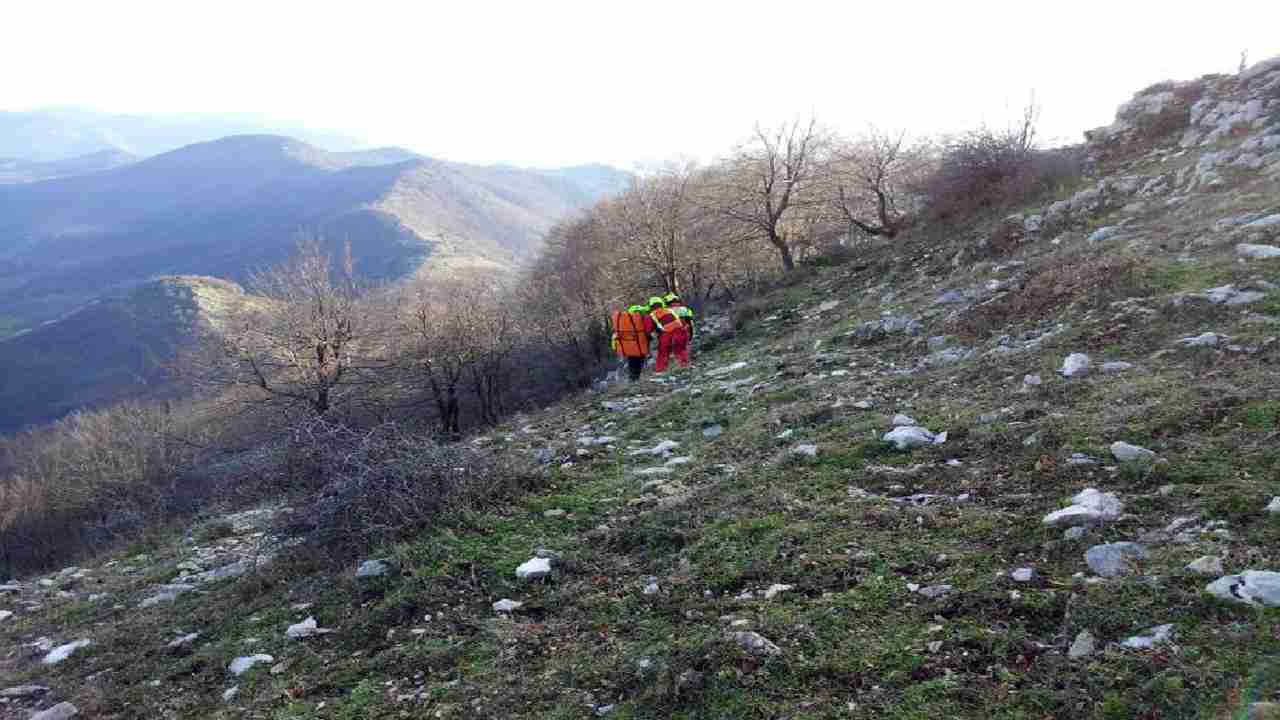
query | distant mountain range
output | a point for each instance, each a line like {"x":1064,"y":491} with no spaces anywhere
{"x":75,"y":249}
{"x":17,"y":170}
{"x":52,"y":134}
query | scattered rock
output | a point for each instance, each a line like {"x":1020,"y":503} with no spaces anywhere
{"x":1207,"y":565}
{"x":663,"y":449}
{"x":756,"y":644}
{"x":1124,"y":452}
{"x":651,"y":587}
{"x":1031,"y":381}
{"x":1273,"y":507}
{"x":806,"y":450}
{"x":1149,"y":638}
{"x":373,"y":568}
{"x":243,"y":664}
{"x":182,"y":641}
{"x":1090,"y":506}
{"x":775,"y":589}
{"x":912,"y":436}
{"x":61,"y":711}
{"x":5,"y":615}
{"x":712,"y":431}
{"x":1113,"y":559}
{"x":725,"y":370}
{"x":935,"y":591}
{"x":1023,"y":575}
{"x":1083,"y":646}
{"x":1116,"y":367}
{"x":1075,"y":365}
{"x":1258,"y":252}
{"x":1203,"y":340}
{"x":305,"y":629}
{"x":167,"y":594}
{"x":690,"y":681}
{"x":901,"y":419}
{"x":534,"y":569}
{"x":1105,"y":233}
{"x":23,"y":691}
{"x":62,"y":652}
{"x":230,"y":693}
{"x":1075,"y":533}
{"x":1252,"y":587}
{"x":507,"y":606}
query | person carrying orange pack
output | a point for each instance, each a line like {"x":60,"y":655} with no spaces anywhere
{"x":631,"y":330}
{"x":677,"y":305}
{"x":673,"y":337}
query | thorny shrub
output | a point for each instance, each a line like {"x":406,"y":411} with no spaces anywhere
{"x":378,"y":485}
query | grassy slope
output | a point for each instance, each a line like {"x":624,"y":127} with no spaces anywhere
{"x":745,"y":514}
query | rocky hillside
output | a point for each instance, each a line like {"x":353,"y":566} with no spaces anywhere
{"x":1029,"y":468}
{"x":115,"y":348}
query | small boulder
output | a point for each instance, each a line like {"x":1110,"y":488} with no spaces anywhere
{"x":534,"y":569}
{"x":61,"y":711}
{"x":1113,"y":559}
{"x":1252,"y":587}
{"x":1149,"y":638}
{"x":1258,"y":252}
{"x":23,"y":691}
{"x":1124,"y":452}
{"x":1105,"y":233}
{"x":913,"y":436}
{"x":1023,"y":575}
{"x":775,"y":589}
{"x":373,"y":568}
{"x":1207,"y":565}
{"x":1083,"y":646}
{"x":901,"y":419}
{"x":1202,"y":340}
{"x":1075,"y":365}
{"x":62,"y":652}
{"x":230,"y":693}
{"x":806,"y":450}
{"x":934,"y":592}
{"x":756,"y":644}
{"x":1090,"y":506}
{"x":305,"y":629}
{"x":507,"y":606}
{"x":1116,"y":367}
{"x":243,"y":664}
{"x":1273,"y":507}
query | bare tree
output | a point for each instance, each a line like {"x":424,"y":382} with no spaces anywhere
{"x":869,"y":181}
{"x":303,"y":341}
{"x":769,"y":178}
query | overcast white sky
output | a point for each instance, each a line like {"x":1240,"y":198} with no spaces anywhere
{"x":546,"y":82}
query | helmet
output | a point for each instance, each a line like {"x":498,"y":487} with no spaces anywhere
{"x":671,"y":297}
{"x":656,"y":302}
{"x":637,"y":309}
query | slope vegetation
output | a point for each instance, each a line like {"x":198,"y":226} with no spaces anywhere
{"x":852,"y":506}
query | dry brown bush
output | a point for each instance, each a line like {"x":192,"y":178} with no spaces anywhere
{"x":370,"y":487}
{"x":1050,"y":288}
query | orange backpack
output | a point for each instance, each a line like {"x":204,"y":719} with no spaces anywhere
{"x":628,"y":328}
{"x":666,"y":320}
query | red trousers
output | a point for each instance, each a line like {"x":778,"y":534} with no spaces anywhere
{"x":676,"y":341}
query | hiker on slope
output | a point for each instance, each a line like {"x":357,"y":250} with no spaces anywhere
{"x":631,"y":330}
{"x":674,"y":334}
